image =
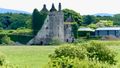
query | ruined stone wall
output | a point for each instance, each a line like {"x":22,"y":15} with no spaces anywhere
{"x":41,"y":37}
{"x":56,"y":24}
{"x":52,"y":29}
{"x":68,"y":33}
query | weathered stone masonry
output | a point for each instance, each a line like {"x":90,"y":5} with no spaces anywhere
{"x":52,"y":29}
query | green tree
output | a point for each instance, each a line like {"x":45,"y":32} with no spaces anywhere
{"x":38,"y":19}
{"x":29,"y":24}
{"x":75,"y":29}
{"x":116,"y":19}
{"x":19,"y":20}
{"x":14,"y":20}
{"x":88,"y":19}
{"x":76,"y":16}
{"x":105,"y":17}
{"x":6,"y":40}
{"x":35,"y":21}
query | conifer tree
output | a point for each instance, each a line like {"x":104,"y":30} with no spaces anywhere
{"x":35,"y":21}
{"x":38,"y":19}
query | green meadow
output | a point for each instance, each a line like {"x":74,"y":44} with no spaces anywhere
{"x":27,"y":56}
{"x":37,"y":56}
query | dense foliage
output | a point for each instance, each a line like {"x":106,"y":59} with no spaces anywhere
{"x":38,"y":19}
{"x":75,"y":29}
{"x":66,"y":62}
{"x":2,"y":59}
{"x":92,"y":54}
{"x":69,"y":51}
{"x":100,"y":52}
{"x":6,"y":40}
{"x":18,"y":36}
{"x":116,"y":19}
{"x":89,"y":19}
{"x":76,"y":16}
{"x":14,"y":21}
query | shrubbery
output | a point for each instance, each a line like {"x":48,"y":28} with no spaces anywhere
{"x":91,"y":55}
{"x":69,"y":51}
{"x":66,"y":62}
{"x":20,"y":35}
{"x":23,"y":39}
{"x":2,"y":59}
{"x":100,"y":52}
{"x":6,"y":40}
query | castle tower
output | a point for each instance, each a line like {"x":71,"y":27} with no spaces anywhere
{"x":56,"y":23}
{"x":68,"y":33}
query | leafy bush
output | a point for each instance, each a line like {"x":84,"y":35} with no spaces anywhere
{"x":23,"y":39}
{"x":69,"y":51}
{"x":6,"y":40}
{"x":2,"y":59}
{"x":100,"y":52}
{"x":88,"y":55}
{"x":66,"y":62}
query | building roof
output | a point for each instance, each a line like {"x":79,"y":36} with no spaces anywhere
{"x":109,"y":28}
{"x":86,"y":29}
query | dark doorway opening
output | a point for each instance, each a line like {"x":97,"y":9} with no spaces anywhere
{"x":67,"y":40}
{"x":41,"y":43}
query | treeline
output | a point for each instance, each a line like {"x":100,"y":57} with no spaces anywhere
{"x":15,"y":21}
{"x":100,"y":21}
{"x":36,"y":20}
{"x":91,"y":20}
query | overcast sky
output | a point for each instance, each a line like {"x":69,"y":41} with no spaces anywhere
{"x":81,"y":6}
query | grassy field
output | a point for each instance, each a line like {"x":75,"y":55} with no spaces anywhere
{"x":37,"y":56}
{"x":29,"y":56}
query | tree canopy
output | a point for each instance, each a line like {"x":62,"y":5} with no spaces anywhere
{"x":14,"y":21}
{"x":89,"y":19}
{"x":76,"y":16}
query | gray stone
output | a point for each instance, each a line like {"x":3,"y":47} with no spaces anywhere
{"x":52,"y":29}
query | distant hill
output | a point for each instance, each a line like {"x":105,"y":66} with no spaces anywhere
{"x":3,"y":10}
{"x":103,"y":14}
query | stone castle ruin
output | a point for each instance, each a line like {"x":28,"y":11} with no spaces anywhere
{"x":53,"y":29}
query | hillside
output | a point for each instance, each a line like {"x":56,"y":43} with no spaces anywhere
{"x":103,"y":14}
{"x":3,"y":10}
